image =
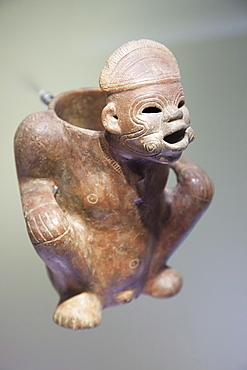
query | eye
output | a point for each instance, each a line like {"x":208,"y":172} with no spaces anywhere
{"x":151,"y":110}
{"x":181,"y":103}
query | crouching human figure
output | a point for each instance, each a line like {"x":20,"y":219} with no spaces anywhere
{"x":93,"y":170}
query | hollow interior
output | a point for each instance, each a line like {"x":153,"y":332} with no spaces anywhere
{"x":175,"y":137}
{"x":81,"y":108}
{"x":151,"y":110}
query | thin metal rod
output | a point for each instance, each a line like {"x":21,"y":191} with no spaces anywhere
{"x":45,"y":96}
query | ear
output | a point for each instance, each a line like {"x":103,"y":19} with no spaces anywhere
{"x":110,"y":119}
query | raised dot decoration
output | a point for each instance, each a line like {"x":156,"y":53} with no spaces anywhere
{"x":92,"y":198}
{"x":134,"y":263}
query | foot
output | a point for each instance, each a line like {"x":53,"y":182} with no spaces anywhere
{"x":82,"y":311}
{"x":125,"y":297}
{"x":166,"y":284}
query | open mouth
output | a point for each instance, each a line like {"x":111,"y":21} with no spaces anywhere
{"x":175,"y":137}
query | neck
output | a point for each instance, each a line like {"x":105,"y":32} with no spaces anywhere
{"x":113,"y":142}
{"x":132,"y":167}
{"x":152,"y":171}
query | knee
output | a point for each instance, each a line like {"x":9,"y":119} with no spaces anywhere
{"x":194,"y":179}
{"x":168,"y":283}
{"x":200,"y":185}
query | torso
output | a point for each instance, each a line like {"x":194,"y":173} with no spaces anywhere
{"x":109,"y":208}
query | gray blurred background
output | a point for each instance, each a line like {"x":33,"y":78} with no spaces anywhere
{"x":62,"y":45}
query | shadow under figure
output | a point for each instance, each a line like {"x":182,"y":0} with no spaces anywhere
{"x":92,"y":171}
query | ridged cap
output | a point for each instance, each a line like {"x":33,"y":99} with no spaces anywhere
{"x":138,"y":63}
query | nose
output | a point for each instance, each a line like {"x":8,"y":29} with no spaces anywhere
{"x":173,"y":114}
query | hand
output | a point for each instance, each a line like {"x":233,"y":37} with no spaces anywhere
{"x":46,"y":223}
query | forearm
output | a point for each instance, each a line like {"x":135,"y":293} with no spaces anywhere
{"x":185,"y":205}
{"x":46,"y":222}
{"x":191,"y":197}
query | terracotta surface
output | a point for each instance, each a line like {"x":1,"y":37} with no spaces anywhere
{"x":92,"y":171}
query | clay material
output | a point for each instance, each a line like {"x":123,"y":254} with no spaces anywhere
{"x":92,"y":171}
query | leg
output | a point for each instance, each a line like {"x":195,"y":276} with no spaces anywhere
{"x":186,"y":203}
{"x":77,"y":309}
{"x":165,"y":284}
{"x":82,"y":311}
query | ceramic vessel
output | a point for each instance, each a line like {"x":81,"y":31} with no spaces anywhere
{"x":93,"y":170}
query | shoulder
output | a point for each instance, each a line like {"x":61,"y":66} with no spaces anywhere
{"x":37,"y":140}
{"x":40,"y":127}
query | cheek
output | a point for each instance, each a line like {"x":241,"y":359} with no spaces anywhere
{"x":186,"y":115}
{"x":152,"y":144}
{"x":125,"y":123}
{"x":151,"y":123}
{"x":154,"y":125}
{"x":144,"y":145}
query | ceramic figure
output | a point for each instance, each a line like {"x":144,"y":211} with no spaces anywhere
{"x":93,"y":170}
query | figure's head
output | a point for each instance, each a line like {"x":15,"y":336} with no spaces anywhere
{"x":146,"y":110}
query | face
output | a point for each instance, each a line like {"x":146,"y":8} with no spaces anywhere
{"x":153,"y":122}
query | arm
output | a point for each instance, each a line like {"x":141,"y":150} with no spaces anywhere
{"x":46,"y":222}
{"x":190,"y":198}
{"x":38,"y":144}
{"x":186,"y":204}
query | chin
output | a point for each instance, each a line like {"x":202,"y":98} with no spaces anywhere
{"x":168,"y":157}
